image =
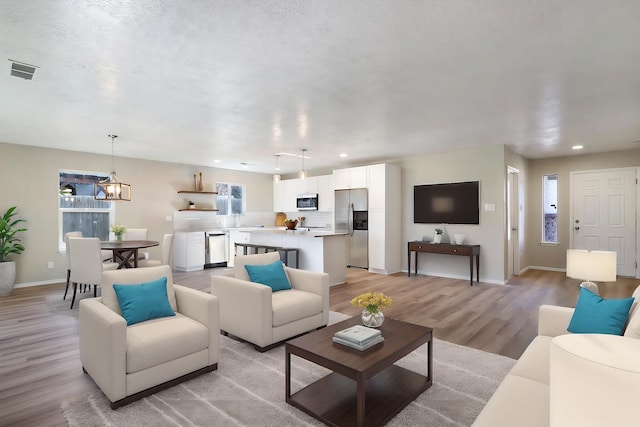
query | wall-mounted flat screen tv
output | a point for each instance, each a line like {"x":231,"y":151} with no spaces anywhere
{"x":452,"y":203}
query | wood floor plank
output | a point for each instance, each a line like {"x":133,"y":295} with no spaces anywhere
{"x":39,"y":356}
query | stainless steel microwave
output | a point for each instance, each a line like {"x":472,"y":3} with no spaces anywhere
{"x":307,"y":202}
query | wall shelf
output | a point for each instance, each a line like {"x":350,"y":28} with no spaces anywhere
{"x":197,"y":192}
{"x":200,"y":210}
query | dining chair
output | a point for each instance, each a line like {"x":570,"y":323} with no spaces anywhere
{"x":165,"y":254}
{"x":137,"y":234}
{"x":86,"y":263}
{"x":68,"y":250}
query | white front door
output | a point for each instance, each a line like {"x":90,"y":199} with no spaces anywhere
{"x":603,"y":214}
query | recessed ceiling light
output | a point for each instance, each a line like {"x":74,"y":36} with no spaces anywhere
{"x":343,"y":155}
{"x":577,"y":147}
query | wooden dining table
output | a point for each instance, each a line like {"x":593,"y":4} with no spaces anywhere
{"x":125,"y":252}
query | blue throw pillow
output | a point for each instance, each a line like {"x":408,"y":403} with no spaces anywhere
{"x":272,"y":275}
{"x":144,"y":301}
{"x":596,"y":315}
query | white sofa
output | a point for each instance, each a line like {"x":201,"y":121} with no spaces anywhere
{"x":252,"y":312}
{"x":565,"y":380}
{"x":130,"y":362}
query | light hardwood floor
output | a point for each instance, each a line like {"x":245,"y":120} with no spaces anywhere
{"x":40,"y":366}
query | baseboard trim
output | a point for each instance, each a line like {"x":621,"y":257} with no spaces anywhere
{"x":41,"y":283}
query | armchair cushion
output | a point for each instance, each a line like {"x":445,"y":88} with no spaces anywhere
{"x":596,"y":315}
{"x":289,"y":306}
{"x":135,"y":276}
{"x":271,"y":275}
{"x":153,"y":342}
{"x":144,"y":301}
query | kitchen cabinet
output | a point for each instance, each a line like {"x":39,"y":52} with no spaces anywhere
{"x":385,"y":230}
{"x":345,"y":179}
{"x":189,"y":250}
{"x":236,"y":236}
{"x":278,"y":196}
{"x":325,"y":193}
{"x":308,"y":185}
{"x":289,"y":195}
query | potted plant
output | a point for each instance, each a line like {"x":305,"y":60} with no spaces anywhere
{"x":118,"y":231}
{"x":437,"y":235}
{"x":9,"y":244}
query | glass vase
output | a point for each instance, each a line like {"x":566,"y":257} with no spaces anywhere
{"x":119,"y":237}
{"x":372,"y":320}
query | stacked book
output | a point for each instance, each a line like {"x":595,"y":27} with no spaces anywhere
{"x":358,"y":337}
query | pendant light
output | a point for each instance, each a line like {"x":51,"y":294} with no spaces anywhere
{"x":110,"y":188}
{"x":303,"y":173}
{"x":276,"y":176}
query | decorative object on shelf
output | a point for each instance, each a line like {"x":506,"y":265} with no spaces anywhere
{"x":200,"y":184}
{"x":373,"y":304}
{"x":195,"y":182}
{"x":276,"y":176}
{"x":118,"y":231}
{"x":9,"y":244}
{"x":290,"y":223}
{"x":110,"y":188}
{"x":458,"y":238}
{"x":192,"y":205}
{"x":303,"y":173}
{"x":437,"y":235}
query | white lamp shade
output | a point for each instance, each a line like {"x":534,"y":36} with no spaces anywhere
{"x":591,"y":265}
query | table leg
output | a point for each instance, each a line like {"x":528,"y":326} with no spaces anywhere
{"x":287,"y":374}
{"x":360,"y":409}
{"x":416,"y":263}
{"x":478,"y":268}
{"x":409,"y":263}
{"x":471,"y":270}
{"x":135,"y":257}
{"x":430,"y":360}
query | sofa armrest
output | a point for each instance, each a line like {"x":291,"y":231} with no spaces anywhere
{"x":204,"y":308}
{"x":553,"y":320}
{"x":103,"y":342}
{"x":245,"y":308}
{"x":314,"y":282}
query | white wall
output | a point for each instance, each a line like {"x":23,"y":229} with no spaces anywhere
{"x":29,"y":177}
{"x":483,"y":164}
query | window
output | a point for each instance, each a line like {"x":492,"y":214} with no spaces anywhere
{"x":230,"y":199}
{"x":78,"y":210}
{"x":550,"y":208}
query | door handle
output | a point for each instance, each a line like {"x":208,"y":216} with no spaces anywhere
{"x":576,"y":228}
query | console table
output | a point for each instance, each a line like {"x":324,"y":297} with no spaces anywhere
{"x":446,"y":249}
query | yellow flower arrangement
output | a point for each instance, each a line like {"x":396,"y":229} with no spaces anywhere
{"x":118,"y":230}
{"x":372,"y":302}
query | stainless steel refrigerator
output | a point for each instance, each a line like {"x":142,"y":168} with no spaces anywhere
{"x":352,"y":217}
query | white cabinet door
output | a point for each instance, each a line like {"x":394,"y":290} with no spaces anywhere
{"x":377,"y":183}
{"x":358,"y":177}
{"x":325,"y":193}
{"x":341,"y":179}
{"x":377,"y":247}
{"x":278,"y":197}
{"x":236,"y":236}
{"x":308,"y":185}
{"x":350,"y":178}
{"x":189,"y":251}
{"x":289,"y":195}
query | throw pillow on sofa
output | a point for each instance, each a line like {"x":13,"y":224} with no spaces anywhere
{"x":144,"y":301}
{"x":596,"y":315}
{"x":272,"y":275}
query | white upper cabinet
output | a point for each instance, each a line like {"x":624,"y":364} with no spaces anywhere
{"x":377,"y":186}
{"x":289,"y":195}
{"x":325,"y":193}
{"x":350,"y":178}
{"x":278,"y":197}
{"x":308,"y":185}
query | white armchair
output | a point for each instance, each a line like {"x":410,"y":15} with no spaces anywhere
{"x":252,"y":312}
{"x":131,"y":362}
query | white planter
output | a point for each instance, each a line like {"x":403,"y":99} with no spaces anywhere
{"x":7,"y":277}
{"x":437,"y":238}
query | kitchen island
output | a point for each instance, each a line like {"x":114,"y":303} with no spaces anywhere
{"x":319,"y":250}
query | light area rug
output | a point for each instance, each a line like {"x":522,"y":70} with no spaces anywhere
{"x":248,"y":390}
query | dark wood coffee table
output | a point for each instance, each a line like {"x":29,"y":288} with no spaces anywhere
{"x":365,"y":388}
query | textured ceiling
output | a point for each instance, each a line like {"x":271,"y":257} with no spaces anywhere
{"x":239,"y":81}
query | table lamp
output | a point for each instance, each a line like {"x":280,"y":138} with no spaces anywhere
{"x":591,"y":265}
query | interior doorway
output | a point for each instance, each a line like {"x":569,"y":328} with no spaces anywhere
{"x":513,"y":221}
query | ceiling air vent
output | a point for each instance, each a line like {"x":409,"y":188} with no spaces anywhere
{"x":22,"y":70}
